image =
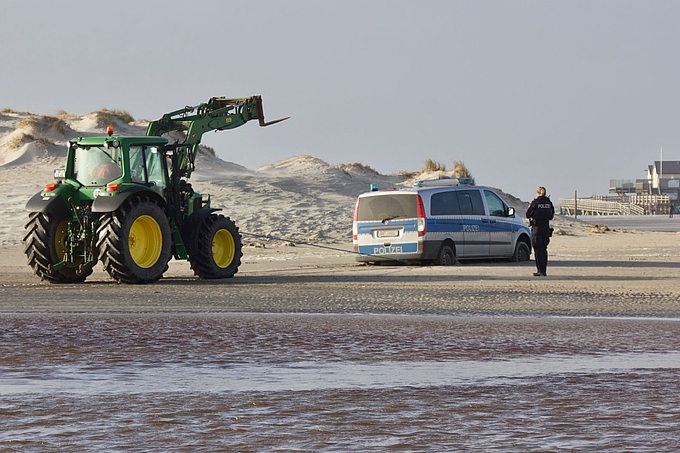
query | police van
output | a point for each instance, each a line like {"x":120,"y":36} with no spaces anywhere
{"x":437,"y":222}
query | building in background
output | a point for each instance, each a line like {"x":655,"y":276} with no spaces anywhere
{"x":658,"y":193}
{"x":663,"y":178}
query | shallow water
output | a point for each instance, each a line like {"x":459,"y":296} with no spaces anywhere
{"x":253,"y":382}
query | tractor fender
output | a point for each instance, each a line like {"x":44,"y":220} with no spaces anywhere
{"x":110,"y":204}
{"x":192,"y":226}
{"x":49,"y":205}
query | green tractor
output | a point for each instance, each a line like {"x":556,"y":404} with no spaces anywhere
{"x":125,"y":201}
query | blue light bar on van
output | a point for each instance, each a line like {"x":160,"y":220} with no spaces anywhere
{"x":374,"y":187}
{"x":443,"y":182}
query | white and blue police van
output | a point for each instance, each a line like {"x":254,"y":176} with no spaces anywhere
{"x":437,"y":222}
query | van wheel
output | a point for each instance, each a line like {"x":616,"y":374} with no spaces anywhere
{"x":447,"y":257}
{"x":522,"y":252}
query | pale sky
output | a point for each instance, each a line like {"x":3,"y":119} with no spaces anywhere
{"x":564,"y":94}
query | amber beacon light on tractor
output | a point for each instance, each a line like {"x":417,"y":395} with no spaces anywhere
{"x":126,"y":202}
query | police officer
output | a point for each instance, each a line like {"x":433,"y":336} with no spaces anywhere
{"x":541,"y":211}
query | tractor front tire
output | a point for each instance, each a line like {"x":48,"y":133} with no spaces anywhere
{"x":45,"y":245}
{"x":219,"y":248}
{"x":134,"y":242}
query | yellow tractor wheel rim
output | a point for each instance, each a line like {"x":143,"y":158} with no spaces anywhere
{"x":145,"y":241}
{"x":60,"y":236}
{"x":223,"y":248}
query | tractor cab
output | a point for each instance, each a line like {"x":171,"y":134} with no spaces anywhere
{"x":116,"y":163}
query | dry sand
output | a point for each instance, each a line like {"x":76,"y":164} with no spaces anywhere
{"x":615,"y":273}
{"x":612,"y":274}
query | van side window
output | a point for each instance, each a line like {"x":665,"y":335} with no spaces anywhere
{"x":496,"y":206}
{"x":444,"y":203}
{"x":470,"y":202}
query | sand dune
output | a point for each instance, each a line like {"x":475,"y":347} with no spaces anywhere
{"x":301,"y":198}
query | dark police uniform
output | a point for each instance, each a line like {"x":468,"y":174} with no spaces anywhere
{"x":541,"y":211}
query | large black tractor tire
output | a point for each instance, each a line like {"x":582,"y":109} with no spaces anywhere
{"x":219,"y":248}
{"x":45,"y":244}
{"x":446,"y":257}
{"x":134,"y":242}
{"x":522,"y":252}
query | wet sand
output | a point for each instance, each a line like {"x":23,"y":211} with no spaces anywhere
{"x":323,"y":382}
{"x":307,"y":350}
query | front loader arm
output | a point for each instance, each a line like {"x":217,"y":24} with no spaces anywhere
{"x":217,"y":114}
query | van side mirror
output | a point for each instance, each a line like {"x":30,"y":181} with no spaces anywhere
{"x":511,"y":211}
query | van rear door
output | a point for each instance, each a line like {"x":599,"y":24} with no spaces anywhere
{"x":386,"y":224}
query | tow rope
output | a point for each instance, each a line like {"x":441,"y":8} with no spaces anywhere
{"x":352,"y":252}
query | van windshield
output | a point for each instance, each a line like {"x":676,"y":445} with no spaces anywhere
{"x":387,"y":207}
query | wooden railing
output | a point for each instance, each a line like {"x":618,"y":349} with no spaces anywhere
{"x":586,"y":206}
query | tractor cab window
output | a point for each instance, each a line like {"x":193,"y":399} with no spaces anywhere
{"x":146,"y":166}
{"x":96,"y":166}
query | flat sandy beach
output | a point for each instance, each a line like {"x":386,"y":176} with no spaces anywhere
{"x":617,"y":273}
{"x":304,"y":199}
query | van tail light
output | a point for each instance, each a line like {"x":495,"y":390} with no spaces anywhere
{"x":420,"y":212}
{"x":354,"y":224}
